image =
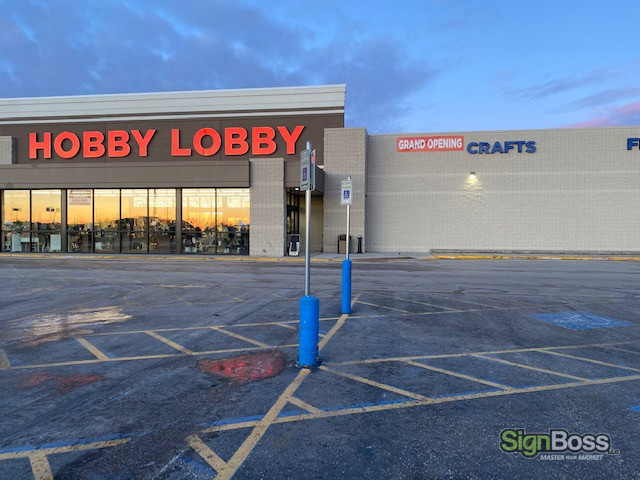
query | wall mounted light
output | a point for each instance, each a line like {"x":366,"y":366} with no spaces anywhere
{"x":472,"y":180}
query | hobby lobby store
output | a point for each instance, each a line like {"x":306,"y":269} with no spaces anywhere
{"x":218,"y":172}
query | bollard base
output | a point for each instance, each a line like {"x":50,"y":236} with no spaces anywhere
{"x":309,"y":330}
{"x":346,"y":286}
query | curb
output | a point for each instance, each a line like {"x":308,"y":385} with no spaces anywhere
{"x":530,"y":257}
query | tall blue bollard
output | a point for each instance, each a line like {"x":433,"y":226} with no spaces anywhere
{"x":309,"y":326}
{"x":346,"y":286}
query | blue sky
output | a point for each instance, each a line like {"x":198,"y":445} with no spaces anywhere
{"x":409,"y":66}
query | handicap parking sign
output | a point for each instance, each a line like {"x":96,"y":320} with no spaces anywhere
{"x":346,"y":188}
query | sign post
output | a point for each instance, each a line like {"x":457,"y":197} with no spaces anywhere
{"x":309,"y":306}
{"x":346,"y":198}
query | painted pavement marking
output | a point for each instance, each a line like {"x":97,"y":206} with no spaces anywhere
{"x":241,"y":337}
{"x":459,"y":375}
{"x":590,"y":360}
{"x":206,"y":453}
{"x":92,"y":348}
{"x":529,"y":367}
{"x":382,"y":306}
{"x":40,"y":466}
{"x":168,"y":342}
{"x":373,"y":383}
{"x":4,"y":360}
{"x":304,"y":405}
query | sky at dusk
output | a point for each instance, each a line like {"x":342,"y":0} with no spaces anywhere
{"x":409,"y":66}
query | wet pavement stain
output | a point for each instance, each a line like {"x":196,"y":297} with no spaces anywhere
{"x":246,"y":368}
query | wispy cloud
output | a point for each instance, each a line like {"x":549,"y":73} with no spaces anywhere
{"x":619,"y":116}
{"x":562,"y":85}
{"x":604,"y":97}
{"x":71,"y":47}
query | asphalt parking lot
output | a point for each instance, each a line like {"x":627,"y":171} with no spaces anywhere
{"x":155,"y":368}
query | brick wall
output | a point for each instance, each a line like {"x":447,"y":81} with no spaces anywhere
{"x":268,"y":208}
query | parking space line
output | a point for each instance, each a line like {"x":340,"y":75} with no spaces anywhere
{"x":415,"y":301}
{"x":590,"y":360}
{"x":382,"y":306}
{"x":304,"y":405}
{"x":76,"y":447}
{"x":4,"y":360}
{"x":92,"y":348}
{"x":529,"y":367}
{"x":373,"y":383}
{"x":428,"y":401}
{"x":241,"y":337}
{"x":622,"y":349}
{"x":206,"y":453}
{"x":168,"y":342}
{"x":40,"y":466}
{"x":260,"y":428}
{"x":282,"y":324}
{"x":459,"y":375}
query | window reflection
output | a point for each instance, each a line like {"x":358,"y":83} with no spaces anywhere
{"x":162,"y":220}
{"x":79,"y":220}
{"x":16,"y":226}
{"x":106,"y":219}
{"x":127,"y":220}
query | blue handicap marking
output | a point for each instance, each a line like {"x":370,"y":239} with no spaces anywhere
{"x":635,"y":409}
{"x":346,"y":194}
{"x":580,"y":320}
{"x":304,"y":174}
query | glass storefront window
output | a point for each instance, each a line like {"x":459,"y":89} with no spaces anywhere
{"x":16,"y":226}
{"x":214,"y":221}
{"x":133,"y":220}
{"x":46,"y":220}
{"x":106,"y":204}
{"x":162,"y":220}
{"x":233,"y":221}
{"x":199,"y":220}
{"x":80,"y":220}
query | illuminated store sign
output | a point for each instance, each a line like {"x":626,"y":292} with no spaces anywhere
{"x":501,"y":147}
{"x":205,"y":142}
{"x":430,"y":144}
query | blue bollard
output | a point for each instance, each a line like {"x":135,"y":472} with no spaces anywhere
{"x":309,"y":326}
{"x":346,"y":286}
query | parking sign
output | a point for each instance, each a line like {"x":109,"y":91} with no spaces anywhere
{"x":346,"y":197}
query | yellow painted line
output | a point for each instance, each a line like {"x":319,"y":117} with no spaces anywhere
{"x":261,"y":427}
{"x":332,"y":332}
{"x":382,"y":306}
{"x":622,"y":350}
{"x":206,"y":453}
{"x":529,"y":367}
{"x":459,"y":375}
{"x":304,"y":405}
{"x":92,"y":348}
{"x":40,"y":466}
{"x":590,"y":360}
{"x":373,"y":383}
{"x":4,"y":360}
{"x":230,"y":426}
{"x":168,"y":342}
{"x":414,"y":301}
{"x":241,"y":337}
{"x":282,"y":324}
{"x":429,"y":401}
{"x":466,"y":354}
{"x":63,"y":449}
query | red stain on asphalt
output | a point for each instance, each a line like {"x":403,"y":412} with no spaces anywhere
{"x":247,"y":368}
{"x":62,"y":383}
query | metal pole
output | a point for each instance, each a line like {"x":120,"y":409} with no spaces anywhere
{"x":307,"y":239}
{"x":348,"y":227}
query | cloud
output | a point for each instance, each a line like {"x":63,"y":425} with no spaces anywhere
{"x":69,"y":47}
{"x":619,"y":116}
{"x":598,"y":99}
{"x":561,"y":85}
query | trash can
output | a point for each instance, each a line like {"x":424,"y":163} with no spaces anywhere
{"x":294,"y":245}
{"x":342,"y":244}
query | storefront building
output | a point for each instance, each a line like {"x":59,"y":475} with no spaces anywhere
{"x":217,"y":173}
{"x":192,"y":172}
